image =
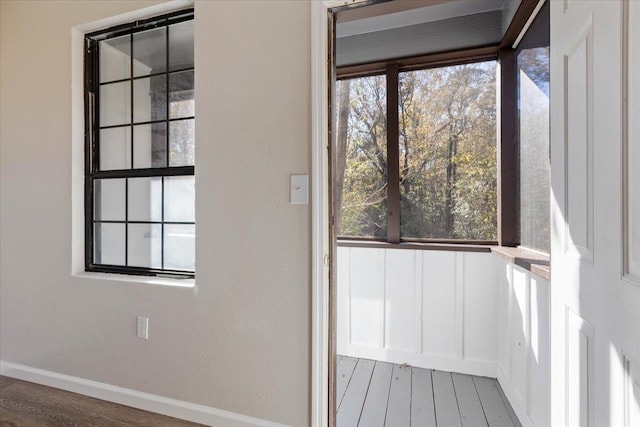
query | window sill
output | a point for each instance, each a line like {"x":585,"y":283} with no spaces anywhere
{"x":136,"y":280}
{"x":535,"y":262}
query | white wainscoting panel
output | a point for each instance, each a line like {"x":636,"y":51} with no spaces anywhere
{"x":480,"y":296}
{"x":518,"y":343}
{"x":540,"y":352}
{"x":367,"y":297}
{"x":457,"y":311}
{"x":524,"y":369}
{"x":505,"y":278}
{"x":439,"y":303}
{"x":402,"y":306}
{"x":431,"y":309}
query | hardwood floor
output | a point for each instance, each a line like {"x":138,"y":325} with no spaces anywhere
{"x":31,"y":405}
{"x":379,"y":394}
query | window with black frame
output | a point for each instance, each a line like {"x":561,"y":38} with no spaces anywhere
{"x":140,"y":115}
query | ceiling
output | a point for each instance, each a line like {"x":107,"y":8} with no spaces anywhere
{"x":407,"y":28}
{"x":414,"y":16}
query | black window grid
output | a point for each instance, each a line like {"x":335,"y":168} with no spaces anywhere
{"x":92,"y":144}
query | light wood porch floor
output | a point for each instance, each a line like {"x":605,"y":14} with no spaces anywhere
{"x":371,"y":393}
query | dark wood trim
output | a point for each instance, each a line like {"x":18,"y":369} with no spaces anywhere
{"x":538,"y":32}
{"x":535,"y":262}
{"x":508,"y":158}
{"x":451,"y":241}
{"x":459,"y":247}
{"x":361,"y":238}
{"x":383,"y":8}
{"x":418,"y":240}
{"x":410,"y":63}
{"x":518,"y":22}
{"x":393,"y":156}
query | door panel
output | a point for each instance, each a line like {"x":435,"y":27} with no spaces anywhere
{"x":595,"y":200}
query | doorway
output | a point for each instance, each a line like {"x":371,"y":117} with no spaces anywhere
{"x":402,"y":274}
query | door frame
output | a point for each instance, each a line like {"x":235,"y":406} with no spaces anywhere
{"x":320,"y":241}
{"x":323,"y":346}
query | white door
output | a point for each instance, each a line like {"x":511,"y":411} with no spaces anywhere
{"x":595,"y":250}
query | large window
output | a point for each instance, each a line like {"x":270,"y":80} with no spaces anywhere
{"x":426,"y":172}
{"x":140,"y":113}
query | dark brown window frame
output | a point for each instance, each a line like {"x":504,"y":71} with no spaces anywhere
{"x":391,"y":69}
{"x":508,"y":146}
{"x":92,"y":135}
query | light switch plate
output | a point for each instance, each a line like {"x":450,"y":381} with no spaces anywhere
{"x":299,"y":189}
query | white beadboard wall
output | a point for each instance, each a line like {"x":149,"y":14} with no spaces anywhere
{"x":432,"y":309}
{"x":524,"y":370}
{"x":465,"y":312}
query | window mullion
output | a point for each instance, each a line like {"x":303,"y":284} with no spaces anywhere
{"x":508,"y":159}
{"x":393,"y":156}
{"x":145,"y":173}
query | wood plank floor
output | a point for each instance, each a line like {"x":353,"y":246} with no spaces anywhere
{"x":379,"y":394}
{"x":26,"y":404}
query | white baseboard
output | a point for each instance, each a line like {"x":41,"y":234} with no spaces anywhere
{"x":136,"y":399}
{"x":518,"y":405}
{"x":480,"y":368}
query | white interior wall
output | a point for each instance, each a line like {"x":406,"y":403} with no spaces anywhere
{"x":240,"y":339}
{"x":524,"y":369}
{"x":431,"y":309}
{"x":456,"y":311}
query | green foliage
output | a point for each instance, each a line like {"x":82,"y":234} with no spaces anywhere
{"x":364,"y":200}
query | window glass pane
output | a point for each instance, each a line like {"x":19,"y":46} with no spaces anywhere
{"x":447,"y":136}
{"x":181,"y":95}
{"x":181,"y":46}
{"x":115,"y":104}
{"x":149,"y":99}
{"x":179,"y":247}
{"x":109,"y":244}
{"x":361,"y":184}
{"x":533,"y":112}
{"x":115,"y":58}
{"x":115,"y":148}
{"x":145,"y":199}
{"x":144,"y":245}
{"x":109,"y":199}
{"x":179,"y":199}
{"x":149,"y":52}
{"x":181,"y":143}
{"x":150,"y":146}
